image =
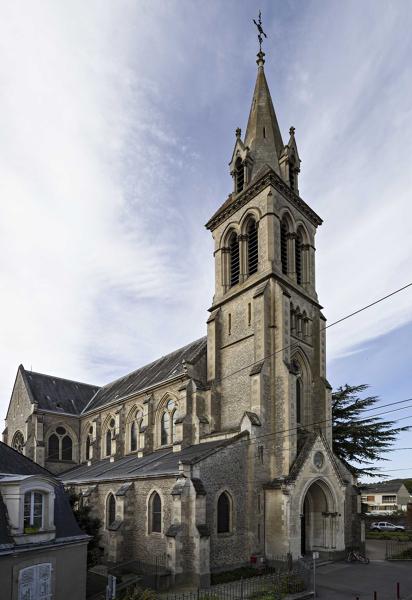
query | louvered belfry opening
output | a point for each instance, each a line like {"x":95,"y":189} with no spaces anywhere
{"x":240,"y":175}
{"x":284,"y":247}
{"x":298,"y":258}
{"x":252,"y":247}
{"x":292,"y":177}
{"x":234,"y":259}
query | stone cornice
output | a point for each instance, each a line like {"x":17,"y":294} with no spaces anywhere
{"x":268,"y":178}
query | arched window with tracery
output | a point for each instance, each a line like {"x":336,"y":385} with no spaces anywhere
{"x":298,"y":401}
{"x":234,"y":259}
{"x":88,"y":448}
{"x":224,"y":516}
{"x":239,"y":175}
{"x":284,"y":230}
{"x":155,"y":513}
{"x":252,"y":247}
{"x":135,"y":433}
{"x":110,"y":510}
{"x":168,"y":423}
{"x":60,"y":445}
{"x":109,"y":437}
{"x":299,"y":258}
{"x":164,"y":428}
{"x":18,"y":442}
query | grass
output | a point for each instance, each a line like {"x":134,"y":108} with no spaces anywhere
{"x":228,"y":576}
{"x":402,"y":536}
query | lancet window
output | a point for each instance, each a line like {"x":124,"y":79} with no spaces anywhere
{"x":252,"y":247}
{"x":224,"y":516}
{"x":168,"y":423}
{"x":234,"y":259}
{"x":239,"y":175}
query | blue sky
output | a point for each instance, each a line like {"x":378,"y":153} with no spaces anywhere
{"x":118,"y":122}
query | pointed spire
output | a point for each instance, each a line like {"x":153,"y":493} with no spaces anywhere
{"x":263,"y":135}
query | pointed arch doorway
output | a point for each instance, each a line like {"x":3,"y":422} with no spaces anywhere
{"x":318,"y":518}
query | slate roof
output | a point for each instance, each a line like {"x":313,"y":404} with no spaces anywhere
{"x":383,"y":487}
{"x":12,"y":462}
{"x":154,"y":373}
{"x":57,"y":394}
{"x":161,"y":462}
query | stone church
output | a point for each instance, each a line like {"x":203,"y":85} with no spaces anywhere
{"x":220,"y":452}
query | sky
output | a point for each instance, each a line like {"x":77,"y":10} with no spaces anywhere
{"x":117,"y":124}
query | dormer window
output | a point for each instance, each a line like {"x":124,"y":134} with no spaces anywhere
{"x":33,"y":511}
{"x":239,"y":175}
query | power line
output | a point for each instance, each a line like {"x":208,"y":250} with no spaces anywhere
{"x":291,"y":430}
{"x":356,"y":312}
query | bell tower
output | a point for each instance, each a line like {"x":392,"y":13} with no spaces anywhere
{"x":266,"y":342}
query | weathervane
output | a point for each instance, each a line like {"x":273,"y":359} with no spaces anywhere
{"x":260,"y":30}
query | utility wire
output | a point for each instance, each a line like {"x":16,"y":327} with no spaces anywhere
{"x":356,"y":312}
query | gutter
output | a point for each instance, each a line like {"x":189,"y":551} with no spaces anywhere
{"x":67,"y":541}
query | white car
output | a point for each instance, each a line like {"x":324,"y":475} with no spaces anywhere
{"x":385,"y":526}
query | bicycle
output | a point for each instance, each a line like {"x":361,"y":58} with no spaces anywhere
{"x":354,"y":556}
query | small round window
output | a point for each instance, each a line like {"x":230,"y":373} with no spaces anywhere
{"x":60,"y":430}
{"x":112,"y":423}
{"x":318,"y":460}
{"x":170,"y":405}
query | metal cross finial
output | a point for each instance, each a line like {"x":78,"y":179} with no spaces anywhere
{"x":260,"y":30}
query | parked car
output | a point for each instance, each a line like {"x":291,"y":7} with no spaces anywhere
{"x":385,"y":526}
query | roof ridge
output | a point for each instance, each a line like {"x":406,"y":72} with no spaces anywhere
{"x":151,"y":363}
{"x":60,"y":378}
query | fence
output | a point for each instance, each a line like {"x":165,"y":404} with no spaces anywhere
{"x":288,"y":579}
{"x":396,"y":550}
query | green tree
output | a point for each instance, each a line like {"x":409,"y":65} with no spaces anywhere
{"x":359,"y":439}
{"x":89,"y":524}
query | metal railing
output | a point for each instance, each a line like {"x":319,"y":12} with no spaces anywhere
{"x":396,"y":550}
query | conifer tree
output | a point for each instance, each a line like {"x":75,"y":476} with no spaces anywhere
{"x":360,"y":439}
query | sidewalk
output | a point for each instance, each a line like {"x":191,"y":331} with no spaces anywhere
{"x":342,"y":581}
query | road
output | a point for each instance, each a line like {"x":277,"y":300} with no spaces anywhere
{"x":342,"y":581}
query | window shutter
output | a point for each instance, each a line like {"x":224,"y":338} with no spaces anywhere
{"x":35,"y":582}
{"x":27,"y":584}
{"x":44,"y":582}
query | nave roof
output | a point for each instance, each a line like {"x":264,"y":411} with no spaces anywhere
{"x":158,"y":463}
{"x":162,"y":369}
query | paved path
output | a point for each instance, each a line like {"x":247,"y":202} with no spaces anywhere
{"x":342,"y":581}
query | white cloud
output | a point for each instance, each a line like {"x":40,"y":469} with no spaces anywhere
{"x":117,"y":124}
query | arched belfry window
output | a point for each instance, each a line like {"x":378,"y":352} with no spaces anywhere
{"x":298,"y":401}
{"x":298,"y":258}
{"x":239,"y":175}
{"x":155,"y":513}
{"x":110,"y":510}
{"x":18,"y":442}
{"x":224,"y":513}
{"x":234,"y":259}
{"x":252,"y":247}
{"x":284,"y":246}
